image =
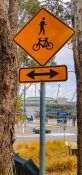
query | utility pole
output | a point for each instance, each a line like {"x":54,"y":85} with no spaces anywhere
{"x":35,"y":89}
{"x":58,"y":92}
{"x":24,"y":110}
{"x":77,"y":52}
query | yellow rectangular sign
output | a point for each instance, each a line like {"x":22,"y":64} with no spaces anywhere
{"x":43,"y":74}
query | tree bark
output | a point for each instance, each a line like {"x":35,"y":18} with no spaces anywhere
{"x":79,"y":124}
{"x":77,"y":52}
{"x":79,"y":105}
{"x":8,"y":89}
{"x":13,"y":15}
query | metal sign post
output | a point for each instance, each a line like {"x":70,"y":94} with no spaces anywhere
{"x":42,"y":129}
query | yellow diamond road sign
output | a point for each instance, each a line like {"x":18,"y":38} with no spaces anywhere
{"x":43,"y":36}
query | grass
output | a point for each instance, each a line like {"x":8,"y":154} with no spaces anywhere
{"x":58,"y":162}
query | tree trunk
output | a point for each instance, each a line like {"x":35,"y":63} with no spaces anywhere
{"x":77,"y":51}
{"x":8,"y":89}
{"x":79,"y":105}
{"x":79,"y":124}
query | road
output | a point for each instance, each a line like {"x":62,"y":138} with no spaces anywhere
{"x":53,"y":136}
{"x":27,"y":134}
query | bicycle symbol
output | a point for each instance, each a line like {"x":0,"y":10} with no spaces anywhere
{"x":42,"y":43}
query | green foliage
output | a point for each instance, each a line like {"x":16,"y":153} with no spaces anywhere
{"x":20,"y":118}
{"x":59,"y":8}
{"x":22,"y":57}
{"x":18,"y":104}
{"x":52,"y":62}
{"x":33,"y":7}
{"x":21,"y":4}
{"x":25,"y":60}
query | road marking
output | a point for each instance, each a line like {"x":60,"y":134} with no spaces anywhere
{"x":62,"y":134}
{"x":51,"y":134}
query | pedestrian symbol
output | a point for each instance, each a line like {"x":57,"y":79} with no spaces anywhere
{"x":42,"y":25}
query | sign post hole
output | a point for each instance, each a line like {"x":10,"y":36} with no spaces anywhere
{"x":42,"y":129}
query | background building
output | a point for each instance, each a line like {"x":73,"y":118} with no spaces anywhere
{"x":32,"y":107}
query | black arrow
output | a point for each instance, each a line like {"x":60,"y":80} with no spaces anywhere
{"x":52,"y":73}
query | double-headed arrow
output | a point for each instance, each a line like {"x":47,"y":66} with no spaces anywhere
{"x":43,"y":74}
{"x":51,"y":73}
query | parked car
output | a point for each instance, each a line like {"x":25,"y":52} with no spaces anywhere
{"x":29,"y":118}
{"x":61,"y":121}
{"x":37,"y":130}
